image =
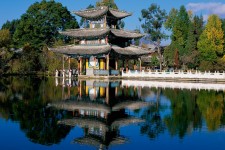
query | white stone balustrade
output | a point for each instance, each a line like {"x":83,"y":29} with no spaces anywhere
{"x":175,"y":85}
{"x":179,"y":74}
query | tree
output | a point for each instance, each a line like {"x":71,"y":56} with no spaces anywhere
{"x":154,"y":61}
{"x":180,"y":32}
{"x":223,"y":27}
{"x":30,"y":61}
{"x":153,"y":19}
{"x":211,"y":43}
{"x":5,"y":54}
{"x":178,"y":22}
{"x":170,"y":21}
{"x":109,"y":3}
{"x":176,"y":59}
{"x":11,"y":26}
{"x":169,"y":52}
{"x":4,"y":38}
{"x":40,"y":24}
{"x":195,"y":30}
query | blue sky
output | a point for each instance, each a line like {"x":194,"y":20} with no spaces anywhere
{"x":12,"y":9}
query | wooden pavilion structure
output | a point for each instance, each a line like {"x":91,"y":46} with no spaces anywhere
{"x":102,"y":43}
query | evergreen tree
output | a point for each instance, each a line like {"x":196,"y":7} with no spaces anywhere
{"x":180,"y":32}
{"x":178,"y":22}
{"x":195,"y":30}
{"x":153,"y":20}
{"x":171,"y":19}
{"x":211,"y":43}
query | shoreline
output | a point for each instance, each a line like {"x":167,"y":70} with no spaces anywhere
{"x":85,"y":77}
{"x":197,"y":80}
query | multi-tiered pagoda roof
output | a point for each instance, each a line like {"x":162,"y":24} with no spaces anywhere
{"x":95,"y":13}
{"x":98,"y":33}
{"x":83,"y":50}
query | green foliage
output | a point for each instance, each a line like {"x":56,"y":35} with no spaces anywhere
{"x":191,"y":59}
{"x":184,"y":112}
{"x":5,"y":54}
{"x":223,"y":27}
{"x":11,"y":26}
{"x":211,"y":43}
{"x":180,"y":31}
{"x":171,"y":19}
{"x":109,"y":3}
{"x":154,"y":61}
{"x":153,"y":19}
{"x":5,"y":57}
{"x":176,"y":59}
{"x":40,"y":24}
{"x":30,"y":60}
{"x":4,"y":38}
{"x":169,"y":56}
{"x":178,"y":22}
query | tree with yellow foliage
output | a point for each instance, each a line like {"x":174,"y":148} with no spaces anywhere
{"x":4,"y":38}
{"x":211,"y":44}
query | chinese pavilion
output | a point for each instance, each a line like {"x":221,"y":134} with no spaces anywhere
{"x":101,"y":42}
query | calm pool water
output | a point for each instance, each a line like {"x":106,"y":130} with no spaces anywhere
{"x":44,"y":113}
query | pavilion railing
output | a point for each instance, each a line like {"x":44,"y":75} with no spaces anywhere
{"x":114,"y":72}
{"x":100,"y":72}
{"x":179,"y":74}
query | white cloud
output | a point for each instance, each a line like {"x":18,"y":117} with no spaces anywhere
{"x":208,"y":8}
{"x":205,"y":17}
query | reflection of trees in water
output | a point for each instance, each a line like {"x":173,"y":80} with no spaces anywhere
{"x":185,"y":112}
{"x":154,"y":124}
{"x":211,"y":104}
{"x":25,"y":101}
{"x":190,"y":107}
{"x":40,"y":123}
{"x":148,"y":92}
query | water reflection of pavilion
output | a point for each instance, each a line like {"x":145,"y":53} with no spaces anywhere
{"x":100,"y":109}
